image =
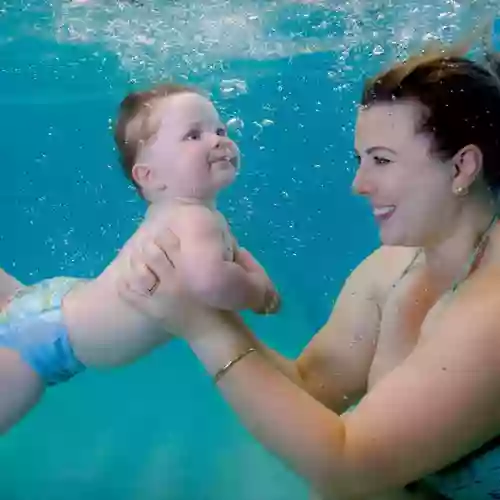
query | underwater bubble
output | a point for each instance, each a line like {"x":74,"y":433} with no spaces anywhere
{"x":233,"y":87}
{"x":235,"y":125}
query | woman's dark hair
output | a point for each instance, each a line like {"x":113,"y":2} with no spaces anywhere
{"x":460,"y":101}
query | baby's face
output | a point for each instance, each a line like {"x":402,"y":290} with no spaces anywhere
{"x":191,"y":155}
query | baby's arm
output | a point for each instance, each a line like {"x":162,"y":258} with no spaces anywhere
{"x":217,"y":282}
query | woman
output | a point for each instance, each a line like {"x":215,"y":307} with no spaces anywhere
{"x":414,"y":338}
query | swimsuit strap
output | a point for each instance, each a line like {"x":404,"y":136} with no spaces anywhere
{"x":408,"y":268}
{"x":476,"y":255}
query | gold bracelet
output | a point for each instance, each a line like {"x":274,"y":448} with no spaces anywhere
{"x":231,"y":363}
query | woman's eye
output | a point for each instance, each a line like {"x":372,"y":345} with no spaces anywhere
{"x":381,"y":161}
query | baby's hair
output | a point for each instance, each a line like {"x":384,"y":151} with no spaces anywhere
{"x":137,"y":123}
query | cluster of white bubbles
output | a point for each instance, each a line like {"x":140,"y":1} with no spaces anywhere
{"x":208,"y":40}
{"x":150,"y":37}
{"x":156,"y":39}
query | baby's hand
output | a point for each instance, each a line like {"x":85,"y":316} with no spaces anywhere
{"x":271,"y":301}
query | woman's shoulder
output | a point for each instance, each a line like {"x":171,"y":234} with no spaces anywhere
{"x":385,"y":266}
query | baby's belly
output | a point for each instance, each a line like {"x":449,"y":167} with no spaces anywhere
{"x":104,"y":329}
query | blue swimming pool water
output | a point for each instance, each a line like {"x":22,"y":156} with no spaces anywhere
{"x":158,"y":429}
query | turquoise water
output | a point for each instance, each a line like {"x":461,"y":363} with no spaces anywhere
{"x":291,"y":74}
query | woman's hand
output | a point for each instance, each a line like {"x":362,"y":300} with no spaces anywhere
{"x":152,"y":285}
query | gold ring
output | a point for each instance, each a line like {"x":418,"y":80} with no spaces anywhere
{"x":153,"y":288}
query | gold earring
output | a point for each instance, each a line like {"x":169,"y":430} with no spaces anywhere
{"x":460,"y":191}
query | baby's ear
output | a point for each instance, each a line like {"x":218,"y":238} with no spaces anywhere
{"x":141,"y":173}
{"x":144,"y":176}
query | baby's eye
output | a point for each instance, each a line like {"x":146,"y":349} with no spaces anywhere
{"x":193,"y":135}
{"x":222,"y":131}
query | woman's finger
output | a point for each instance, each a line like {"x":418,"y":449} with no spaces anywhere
{"x":139,"y":278}
{"x":168,"y":245}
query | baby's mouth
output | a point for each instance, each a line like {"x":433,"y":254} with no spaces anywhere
{"x":233,"y":160}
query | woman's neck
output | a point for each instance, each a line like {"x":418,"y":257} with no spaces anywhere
{"x":450,"y":258}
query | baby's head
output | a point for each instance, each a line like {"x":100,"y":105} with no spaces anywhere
{"x":172,"y":144}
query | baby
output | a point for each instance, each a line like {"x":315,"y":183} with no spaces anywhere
{"x":176,"y":151}
{"x":174,"y":148}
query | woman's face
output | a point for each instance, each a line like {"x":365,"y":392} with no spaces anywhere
{"x":410,"y":189}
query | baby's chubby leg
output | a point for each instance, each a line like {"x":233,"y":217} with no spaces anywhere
{"x":20,"y":388}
